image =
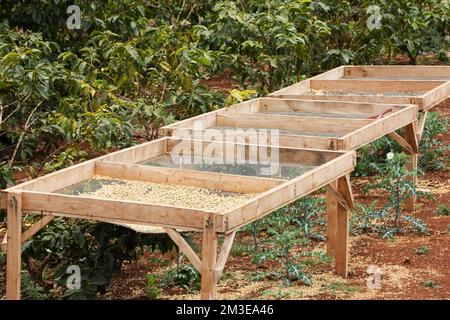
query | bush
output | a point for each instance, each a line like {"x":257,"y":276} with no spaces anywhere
{"x":395,"y":180}
{"x":434,"y":151}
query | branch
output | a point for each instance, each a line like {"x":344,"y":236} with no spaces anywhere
{"x":28,"y":124}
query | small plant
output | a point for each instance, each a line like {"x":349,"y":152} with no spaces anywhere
{"x":443,"y":210}
{"x":283,"y":237}
{"x":422,"y":250}
{"x":432,"y":149}
{"x":186,"y":277}
{"x":394,"y":179}
{"x":430,"y":284}
{"x":152,"y":287}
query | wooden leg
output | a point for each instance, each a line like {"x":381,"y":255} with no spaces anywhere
{"x":14,"y":246}
{"x":209,"y":257}
{"x":421,"y":125}
{"x":342,"y":226}
{"x":411,"y":166}
{"x":411,"y":137}
{"x":331,"y":220}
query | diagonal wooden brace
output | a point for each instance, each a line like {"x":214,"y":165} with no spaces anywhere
{"x":224,"y":253}
{"x":346,"y":200}
{"x":185,"y":248}
{"x":421,"y":126}
{"x":31,"y":231}
{"x":402,"y":142}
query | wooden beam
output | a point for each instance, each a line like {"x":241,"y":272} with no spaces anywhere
{"x":36,"y":227}
{"x":342,"y":230}
{"x":224,"y":253}
{"x":289,"y":122}
{"x":379,"y":128}
{"x":320,"y":108}
{"x":31,"y":231}
{"x":331,"y":219}
{"x":410,"y":135}
{"x":402,"y":142}
{"x":209,"y":256}
{"x":116,"y":210}
{"x":339,"y":197}
{"x":185,"y":248}
{"x":4,"y":243}
{"x":13,"y":260}
{"x":335,"y":73}
{"x":290,"y":191}
{"x":421,"y":126}
{"x":398,"y":72}
{"x":376,"y":85}
{"x":204,"y":179}
{"x":290,"y":149}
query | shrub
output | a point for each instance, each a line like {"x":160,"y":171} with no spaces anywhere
{"x":433,"y":151}
{"x":394,"y":180}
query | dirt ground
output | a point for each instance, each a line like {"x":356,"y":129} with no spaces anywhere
{"x":405,"y":274}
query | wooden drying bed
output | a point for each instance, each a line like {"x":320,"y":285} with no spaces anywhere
{"x":424,"y":86}
{"x":307,"y":123}
{"x":45,"y":196}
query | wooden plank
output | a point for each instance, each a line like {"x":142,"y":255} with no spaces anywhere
{"x":331,"y":220}
{"x":290,"y":191}
{"x":435,"y":96}
{"x":224,"y":253}
{"x":335,"y":73}
{"x":115,"y":210}
{"x":59,"y":179}
{"x":379,"y":128}
{"x":206,"y":119}
{"x":324,"y":107}
{"x":410,"y":136}
{"x":300,"y":155}
{"x":246,"y":106}
{"x":375,"y":85}
{"x":422,"y":72}
{"x":36,"y":227}
{"x":204,"y":179}
{"x":402,"y":142}
{"x":357,"y":98}
{"x":209,"y":256}
{"x":421,"y":126}
{"x":14,"y":245}
{"x":284,"y":140}
{"x":342,"y":229}
{"x":339,"y":198}
{"x":137,"y":153}
{"x":185,"y":248}
{"x":289,"y":122}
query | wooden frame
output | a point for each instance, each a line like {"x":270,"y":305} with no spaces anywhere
{"x":320,"y":117}
{"x":433,"y":80}
{"x":39,"y":196}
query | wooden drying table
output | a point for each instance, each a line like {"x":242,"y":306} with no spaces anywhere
{"x":44,"y":196}
{"x":424,"y":86}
